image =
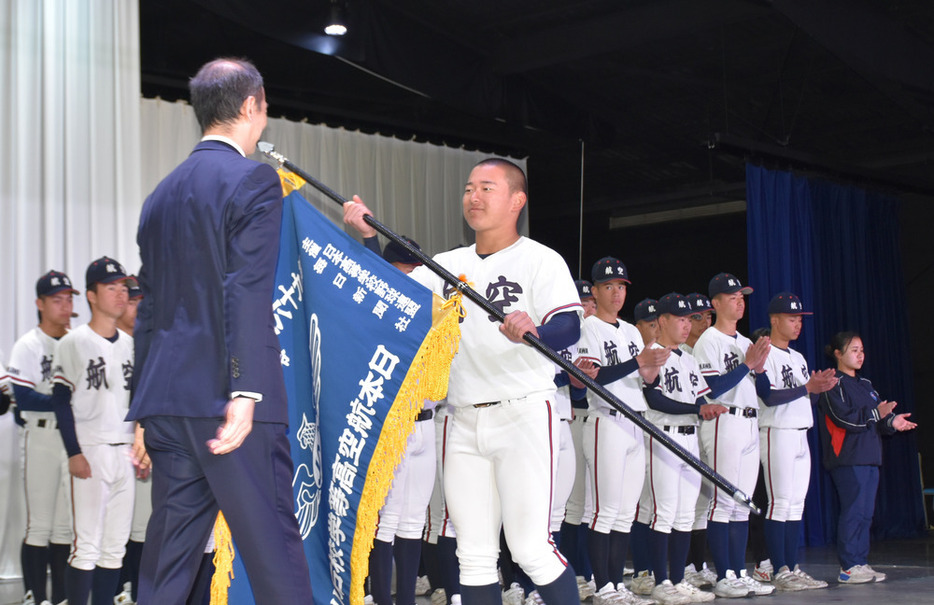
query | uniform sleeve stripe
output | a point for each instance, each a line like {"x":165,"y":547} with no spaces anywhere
{"x":595,"y":360}
{"x":710,"y":372}
{"x":22,"y":382}
{"x":567,"y":307}
{"x":703,"y":392}
{"x":62,"y":380}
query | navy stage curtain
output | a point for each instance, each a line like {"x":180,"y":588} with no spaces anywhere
{"x":837,"y":248}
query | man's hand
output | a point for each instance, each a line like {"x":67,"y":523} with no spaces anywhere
{"x":78,"y":466}
{"x":353,"y":215}
{"x":709,"y":411}
{"x":885,"y":408}
{"x":653,"y":357}
{"x":901,"y":423}
{"x":587,"y":367}
{"x":821,"y":381}
{"x":516,"y":324}
{"x":757,"y":353}
{"x":138,"y":454}
{"x":238,"y":424}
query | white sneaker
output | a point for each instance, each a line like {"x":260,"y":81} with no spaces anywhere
{"x":763,"y":572}
{"x":631,"y":598}
{"x":858,"y":574}
{"x":628,"y":571}
{"x":878,"y":575}
{"x":696,"y":578}
{"x":666,"y":594}
{"x":695,"y":594}
{"x":455,"y":599}
{"x":809,"y":582}
{"x":438,"y":597}
{"x":709,"y":575}
{"x":786,"y":580}
{"x":515,"y":595}
{"x":643,"y":583}
{"x":756,"y":588}
{"x":124,"y":598}
{"x":585,"y":588}
{"x":28,"y":599}
{"x":731,"y":587}
{"x":422,"y":586}
{"x":534,"y":599}
{"x":368,"y":599}
{"x":609,"y":596}
{"x":46,"y":602}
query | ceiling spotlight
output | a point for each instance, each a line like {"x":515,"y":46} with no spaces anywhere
{"x":337,"y":24}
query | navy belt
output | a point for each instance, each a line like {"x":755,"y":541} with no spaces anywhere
{"x":682,"y":430}
{"x":744,"y":412}
{"x":425,"y":415}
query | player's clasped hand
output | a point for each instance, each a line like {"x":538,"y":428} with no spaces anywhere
{"x":821,"y":381}
{"x":757,"y":353}
{"x":587,"y":367}
{"x":653,"y":357}
{"x":78,"y":466}
{"x":238,"y":424}
{"x":516,"y":324}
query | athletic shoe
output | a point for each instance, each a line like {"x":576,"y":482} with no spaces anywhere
{"x":879,"y":576}
{"x":809,"y":582}
{"x":368,"y":599}
{"x":534,"y":599}
{"x":763,"y":571}
{"x":632,"y":598}
{"x":758,"y":589}
{"x":514,"y":596}
{"x":709,"y":575}
{"x":731,"y":587}
{"x":666,"y":594}
{"x":609,"y":596}
{"x":46,"y":602}
{"x":28,"y":599}
{"x":422,"y":586}
{"x":695,"y":594}
{"x":696,"y":578}
{"x":439,"y":598}
{"x":455,"y":599}
{"x":628,"y":571}
{"x":858,"y":574}
{"x":585,"y":588}
{"x":786,"y":580}
{"x":643,"y":583}
{"x":124,"y":598}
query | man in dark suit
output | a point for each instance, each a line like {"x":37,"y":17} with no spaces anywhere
{"x":209,"y":390}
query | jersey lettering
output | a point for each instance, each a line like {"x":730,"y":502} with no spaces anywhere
{"x":633,"y":349}
{"x":46,"y":366}
{"x":788,"y":377}
{"x":502,"y":293}
{"x":97,"y":374}
{"x":730,"y":361}
{"x":672,"y":380}
{"x":610,"y":353}
{"x":127,"y":374}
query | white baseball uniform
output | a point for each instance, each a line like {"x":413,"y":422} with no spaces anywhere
{"x":730,"y":441}
{"x":567,"y":462}
{"x":98,"y":374}
{"x":614,"y":447}
{"x":783,"y":443}
{"x":439,"y":520}
{"x":500,"y":466}
{"x":45,"y":463}
{"x":671,"y":488}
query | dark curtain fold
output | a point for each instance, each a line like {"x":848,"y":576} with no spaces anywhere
{"x":837,"y":248}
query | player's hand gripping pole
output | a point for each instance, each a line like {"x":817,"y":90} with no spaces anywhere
{"x":535,"y":342}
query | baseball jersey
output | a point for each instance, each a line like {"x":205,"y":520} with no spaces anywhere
{"x":31,"y":363}
{"x":4,"y":379}
{"x":607,"y":344}
{"x":718,"y":353}
{"x":526,"y":276}
{"x":787,"y":369}
{"x":98,"y":374}
{"x":563,"y":395}
{"x":680,"y":380}
{"x":686,"y":348}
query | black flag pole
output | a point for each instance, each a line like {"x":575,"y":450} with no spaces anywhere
{"x":536,"y":343}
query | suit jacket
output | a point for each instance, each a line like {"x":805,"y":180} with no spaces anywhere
{"x":209,"y":240}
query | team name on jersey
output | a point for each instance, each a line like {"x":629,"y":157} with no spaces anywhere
{"x":501,"y":294}
{"x":96,"y":374}
{"x":730,"y":360}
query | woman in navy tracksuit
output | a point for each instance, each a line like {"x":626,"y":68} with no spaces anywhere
{"x":853,"y":418}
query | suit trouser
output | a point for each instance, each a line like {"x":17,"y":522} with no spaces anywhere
{"x":253,"y":487}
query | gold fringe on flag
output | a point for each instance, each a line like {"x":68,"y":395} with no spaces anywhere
{"x":427,"y":379}
{"x":223,"y":561}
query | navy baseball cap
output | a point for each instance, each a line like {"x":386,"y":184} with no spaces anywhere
{"x":54,"y":282}
{"x":675,"y":304}
{"x":699,"y":302}
{"x":726,"y":283}
{"x":133,"y":283}
{"x":104,"y":270}
{"x":646,"y":310}
{"x":583,"y":288}
{"x":787,"y":303}
{"x":607,"y":269}
{"x":396,"y":253}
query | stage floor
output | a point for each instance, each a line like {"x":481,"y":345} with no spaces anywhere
{"x":908,"y":563}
